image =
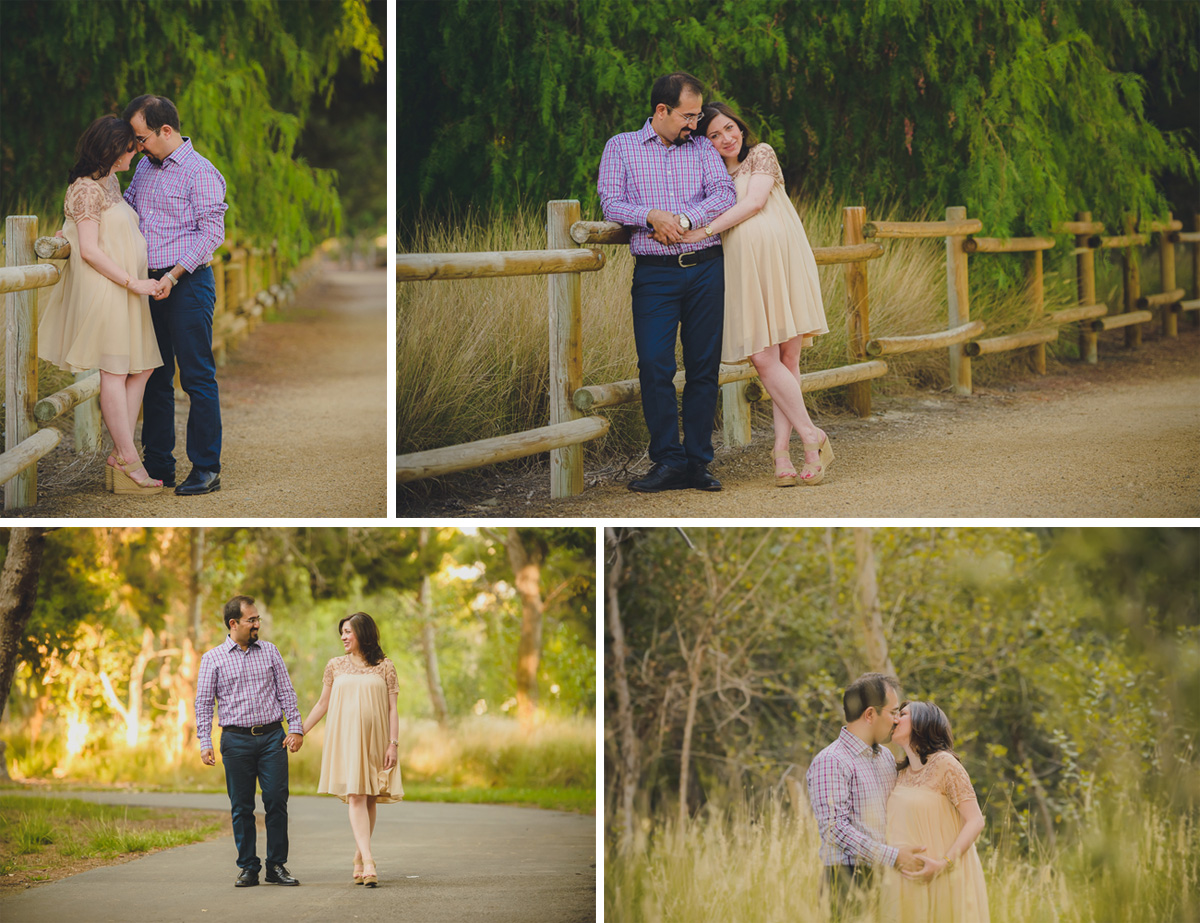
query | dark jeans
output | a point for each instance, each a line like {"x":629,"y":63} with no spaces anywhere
{"x":692,"y":301}
{"x":851,"y":890}
{"x":263,"y":760}
{"x":183,"y":323}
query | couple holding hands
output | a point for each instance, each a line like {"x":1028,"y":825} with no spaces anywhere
{"x":247,"y":680}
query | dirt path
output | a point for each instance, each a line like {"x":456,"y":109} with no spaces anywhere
{"x":437,"y":862}
{"x":304,"y":410}
{"x":1118,"y":440}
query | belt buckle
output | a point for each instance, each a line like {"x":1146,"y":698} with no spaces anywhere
{"x":682,"y":263}
{"x":254,"y":730}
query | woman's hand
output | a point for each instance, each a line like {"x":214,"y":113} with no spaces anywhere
{"x":143,"y":286}
{"x":694,"y":236}
{"x":389,"y":759}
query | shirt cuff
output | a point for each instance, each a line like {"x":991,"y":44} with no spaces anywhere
{"x":206,"y":745}
{"x":890,"y":855}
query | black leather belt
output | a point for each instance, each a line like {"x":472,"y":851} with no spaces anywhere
{"x":683,"y":260}
{"x":159,"y":273}
{"x":257,"y":731}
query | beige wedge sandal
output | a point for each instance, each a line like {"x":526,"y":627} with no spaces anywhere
{"x":816,"y":472}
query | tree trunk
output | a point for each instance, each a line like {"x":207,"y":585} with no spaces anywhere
{"x":870,"y":616}
{"x":131,"y":714}
{"x":695,"y":662}
{"x":627,"y":741}
{"x":197,"y":574}
{"x":18,"y":592}
{"x":428,"y":638}
{"x":527,"y":567}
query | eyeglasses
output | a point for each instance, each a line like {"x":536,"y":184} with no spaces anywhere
{"x":692,"y":118}
{"x":253,"y":621}
{"x":142,"y":139}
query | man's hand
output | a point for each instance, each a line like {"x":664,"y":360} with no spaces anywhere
{"x":667,"y":229}
{"x":164,"y":289}
{"x":294,"y":742}
{"x":933,"y":867}
{"x":694,"y":236}
{"x":909,"y":861}
{"x":208,"y":758}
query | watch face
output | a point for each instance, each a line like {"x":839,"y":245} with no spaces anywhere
{"x":685,"y":222}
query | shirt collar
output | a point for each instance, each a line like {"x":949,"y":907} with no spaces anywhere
{"x":648,"y":134}
{"x":180,"y":154}
{"x":230,"y":644}
{"x":855,"y":744}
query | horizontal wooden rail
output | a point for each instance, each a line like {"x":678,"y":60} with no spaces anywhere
{"x":70,"y":397}
{"x":1193,"y":305}
{"x":827,"y":378}
{"x":1128,"y":319}
{"x":417,"y":267}
{"x":890,"y":346}
{"x":1012,"y":245}
{"x":20,"y":457}
{"x":599,"y":232}
{"x":849,"y":253}
{"x":915,"y":230}
{"x":24,"y":278}
{"x":1070,"y":315}
{"x":52,"y":248}
{"x":1186,"y":237}
{"x":1160,"y":226}
{"x":1124,"y":240}
{"x":456,"y":458}
{"x":1010,"y":341}
{"x":1078,"y":228}
{"x":1157,"y":301}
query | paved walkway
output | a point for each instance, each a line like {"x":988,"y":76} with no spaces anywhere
{"x":438,"y":863}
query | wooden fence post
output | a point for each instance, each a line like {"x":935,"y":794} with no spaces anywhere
{"x":735,"y":413}
{"x":1085,"y":276}
{"x":566,"y":349}
{"x":958,"y":301}
{"x":1166,"y":253}
{"x":20,"y":359}
{"x":1195,"y":268}
{"x":1131,"y":275}
{"x":858,"y":321}
{"x":1038,"y":292}
{"x":87,"y":421}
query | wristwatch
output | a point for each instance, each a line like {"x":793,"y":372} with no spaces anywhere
{"x":708,"y":231}
{"x":685,"y":222}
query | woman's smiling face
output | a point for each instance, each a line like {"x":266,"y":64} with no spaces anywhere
{"x":725,"y":135}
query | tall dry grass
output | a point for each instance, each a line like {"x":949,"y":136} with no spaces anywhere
{"x":1129,"y":860}
{"x":472,"y":355}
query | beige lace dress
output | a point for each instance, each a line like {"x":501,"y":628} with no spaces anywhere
{"x":356,"y":731}
{"x":90,"y":321}
{"x":772,"y":292}
{"x":922,"y":811}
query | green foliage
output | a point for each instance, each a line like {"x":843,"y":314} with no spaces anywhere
{"x":244,"y":77}
{"x":1023,"y":112}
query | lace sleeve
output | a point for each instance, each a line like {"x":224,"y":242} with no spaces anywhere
{"x":389,"y":674}
{"x":327,"y":679}
{"x":84,"y":200}
{"x":955,"y":783}
{"x":761,"y":159}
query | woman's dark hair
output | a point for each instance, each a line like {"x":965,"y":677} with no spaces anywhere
{"x":367,"y":633}
{"x":669,"y":87}
{"x":156,"y":110}
{"x":711,"y":111}
{"x":930,"y":732}
{"x":105,"y":141}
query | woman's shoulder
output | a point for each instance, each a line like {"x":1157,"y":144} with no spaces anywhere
{"x":761,"y":159}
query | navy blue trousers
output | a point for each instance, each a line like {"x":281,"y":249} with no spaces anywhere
{"x":183,"y":324}
{"x":667,"y":299}
{"x":263,"y":761}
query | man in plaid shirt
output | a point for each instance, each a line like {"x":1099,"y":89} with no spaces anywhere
{"x":660,"y":182}
{"x":848,"y":785}
{"x":249,"y":682}
{"x":180,"y":200}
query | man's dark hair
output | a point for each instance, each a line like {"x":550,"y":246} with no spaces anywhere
{"x":156,"y":110}
{"x":930,"y":732}
{"x":667,"y":89}
{"x":102,"y":144}
{"x":868,"y":691}
{"x":233,"y":608}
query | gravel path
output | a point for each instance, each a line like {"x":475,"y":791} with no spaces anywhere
{"x":438,"y":863}
{"x":1121,"y":439}
{"x":304,"y":410}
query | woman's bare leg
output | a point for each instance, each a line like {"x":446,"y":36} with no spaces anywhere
{"x":782,"y":380}
{"x":360,"y":825}
{"x":135,"y":389}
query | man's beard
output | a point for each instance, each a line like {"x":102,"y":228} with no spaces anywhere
{"x":154,"y":160}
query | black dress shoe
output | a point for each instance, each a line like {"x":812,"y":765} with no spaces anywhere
{"x":199,"y":482}
{"x":247,"y":879}
{"x":278,"y":875}
{"x":700,"y":479}
{"x":661,"y":477}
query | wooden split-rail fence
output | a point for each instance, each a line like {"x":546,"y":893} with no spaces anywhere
{"x":249,"y":280}
{"x":572,"y":403}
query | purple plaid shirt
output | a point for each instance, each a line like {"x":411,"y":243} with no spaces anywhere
{"x":251,"y":687}
{"x":638,"y":174}
{"x":181,"y":207}
{"x":848,"y":785}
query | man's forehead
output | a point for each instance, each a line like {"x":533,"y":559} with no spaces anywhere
{"x":688,"y":100}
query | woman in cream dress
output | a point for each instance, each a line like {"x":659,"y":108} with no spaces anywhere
{"x":933,"y":805}
{"x":773,"y":301}
{"x":98,"y":316}
{"x":358,"y":763}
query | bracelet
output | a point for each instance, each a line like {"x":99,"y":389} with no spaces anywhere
{"x":949,"y":862}
{"x":708,"y":231}
{"x":395,"y":743}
